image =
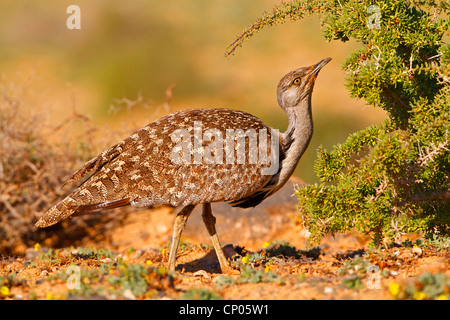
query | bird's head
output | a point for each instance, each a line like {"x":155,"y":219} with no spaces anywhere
{"x":298,"y":84}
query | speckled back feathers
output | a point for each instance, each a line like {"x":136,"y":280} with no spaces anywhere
{"x":140,"y":169}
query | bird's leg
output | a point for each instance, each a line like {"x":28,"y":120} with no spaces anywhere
{"x":178,"y":227}
{"x":210,"y":223}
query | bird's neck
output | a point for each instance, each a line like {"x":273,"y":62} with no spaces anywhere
{"x":295,"y":139}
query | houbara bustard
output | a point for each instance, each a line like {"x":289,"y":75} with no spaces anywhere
{"x":188,"y":158}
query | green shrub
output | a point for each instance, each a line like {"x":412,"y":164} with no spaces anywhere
{"x":391,"y":178}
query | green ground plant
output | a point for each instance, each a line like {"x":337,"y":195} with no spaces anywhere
{"x":426,"y":286}
{"x":36,"y":159}
{"x":392,"y":178}
{"x":113,"y":277}
{"x":199,"y":294}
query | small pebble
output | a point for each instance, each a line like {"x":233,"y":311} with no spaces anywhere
{"x":328,"y":290}
{"x":417,"y":250}
{"x":129,"y":295}
{"x":44,"y":273}
{"x":202,"y":273}
{"x":138,"y":253}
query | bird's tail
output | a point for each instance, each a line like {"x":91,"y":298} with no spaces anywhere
{"x":57,"y":213}
{"x":68,"y":207}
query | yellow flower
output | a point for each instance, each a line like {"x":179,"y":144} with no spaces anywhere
{"x":442,"y":297}
{"x":4,"y":291}
{"x":49,"y":296}
{"x":419,"y":295}
{"x":149,"y":262}
{"x":245,"y":259}
{"x":266,"y":244}
{"x":267,"y":269}
{"x":37,"y":246}
{"x":394,"y":288}
{"x":162,"y":270}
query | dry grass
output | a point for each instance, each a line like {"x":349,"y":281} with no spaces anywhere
{"x":36,"y":157}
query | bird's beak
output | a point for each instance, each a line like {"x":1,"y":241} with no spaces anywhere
{"x":316,"y":68}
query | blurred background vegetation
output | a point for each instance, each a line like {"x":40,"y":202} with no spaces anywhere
{"x":137,"y":49}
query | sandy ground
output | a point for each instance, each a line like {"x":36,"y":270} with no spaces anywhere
{"x":341,"y":267}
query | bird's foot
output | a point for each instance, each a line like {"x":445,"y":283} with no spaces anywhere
{"x":228,"y":270}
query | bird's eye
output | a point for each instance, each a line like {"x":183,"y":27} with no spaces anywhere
{"x":297,"y":81}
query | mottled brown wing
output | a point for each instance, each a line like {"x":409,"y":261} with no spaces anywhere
{"x":90,"y":208}
{"x":161,"y":181}
{"x":107,"y":156}
{"x":141,"y":168}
